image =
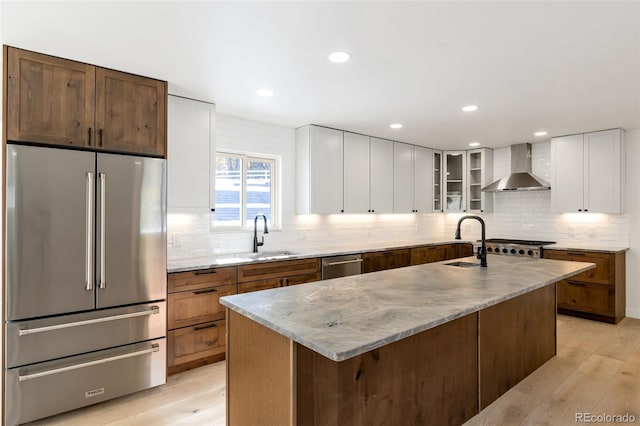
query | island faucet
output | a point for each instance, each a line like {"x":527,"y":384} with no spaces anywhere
{"x":257,"y":244}
{"x":482,"y":250}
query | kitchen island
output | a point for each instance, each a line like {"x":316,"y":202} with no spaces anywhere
{"x":434,"y":343}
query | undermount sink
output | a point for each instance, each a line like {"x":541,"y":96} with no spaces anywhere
{"x":263,"y":255}
{"x":463,"y":264}
{"x":268,"y":254}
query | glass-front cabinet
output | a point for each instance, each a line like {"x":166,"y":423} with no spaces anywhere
{"x":455,"y":181}
{"x":480,"y":174}
{"x":437,"y":181}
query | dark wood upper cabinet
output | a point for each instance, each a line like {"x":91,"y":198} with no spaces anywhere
{"x":61,"y":102}
{"x":49,"y":100}
{"x":130,"y":113}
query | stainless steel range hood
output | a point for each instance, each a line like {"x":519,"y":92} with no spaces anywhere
{"x":521,"y":178}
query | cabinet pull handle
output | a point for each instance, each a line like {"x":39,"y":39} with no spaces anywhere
{"x":572,"y":253}
{"x":205,"y":272}
{"x":210,"y":290}
{"x":204,"y":327}
{"x":285,"y":282}
{"x":101,"y":136}
{"x":89,"y":136}
{"x":577,"y":283}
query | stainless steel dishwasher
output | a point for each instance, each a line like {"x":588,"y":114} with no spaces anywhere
{"x":341,"y":266}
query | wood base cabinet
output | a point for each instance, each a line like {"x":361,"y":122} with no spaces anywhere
{"x":597,"y":294}
{"x":261,"y":276}
{"x":440,"y":252}
{"x":196,"y":320}
{"x":382,"y":260}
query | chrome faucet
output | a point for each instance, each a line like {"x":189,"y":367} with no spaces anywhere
{"x":257,"y":244}
{"x":482,"y":250}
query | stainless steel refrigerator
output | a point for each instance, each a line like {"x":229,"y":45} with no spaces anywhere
{"x":85,"y":253}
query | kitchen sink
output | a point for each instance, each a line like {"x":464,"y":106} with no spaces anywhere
{"x":463,"y":264}
{"x":254,"y":257}
{"x":269,"y":255}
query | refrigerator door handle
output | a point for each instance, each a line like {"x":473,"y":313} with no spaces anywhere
{"x":103,"y":233}
{"x":25,"y":377}
{"x":151,"y":311}
{"x":89,"y":272}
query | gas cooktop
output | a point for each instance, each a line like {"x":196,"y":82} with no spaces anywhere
{"x":521,"y":242}
{"x":513,"y":247}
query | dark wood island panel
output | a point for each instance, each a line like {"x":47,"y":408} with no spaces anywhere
{"x":444,"y":375}
{"x":428,"y":378}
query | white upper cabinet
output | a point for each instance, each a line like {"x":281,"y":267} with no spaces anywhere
{"x":455,"y":178}
{"x":412,"y":179}
{"x":319,"y":170}
{"x":588,"y":172}
{"x":479,"y":175}
{"x":381,"y":176}
{"x":191,"y":146}
{"x":422,"y":179}
{"x":356,"y":173}
{"x":402,"y":178}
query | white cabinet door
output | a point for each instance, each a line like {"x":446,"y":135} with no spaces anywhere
{"x":402,"y":178}
{"x":437,"y":181}
{"x":567,"y":173}
{"x":319,"y":168}
{"x":422,"y":179}
{"x":191,"y":145}
{"x":603,"y":171}
{"x":356,"y":173}
{"x":381,"y":176}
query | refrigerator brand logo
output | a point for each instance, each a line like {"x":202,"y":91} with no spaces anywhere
{"x":92,"y":393}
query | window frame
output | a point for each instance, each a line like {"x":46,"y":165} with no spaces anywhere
{"x":245,"y":224}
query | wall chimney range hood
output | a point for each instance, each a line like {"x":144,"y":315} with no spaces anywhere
{"x":521,"y":178}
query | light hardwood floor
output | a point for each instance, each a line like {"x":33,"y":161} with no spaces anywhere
{"x":597,"y":370}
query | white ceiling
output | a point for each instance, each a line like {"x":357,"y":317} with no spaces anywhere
{"x":564,"y":67}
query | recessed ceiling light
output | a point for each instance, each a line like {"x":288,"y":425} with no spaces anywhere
{"x":469,"y":108}
{"x":540,"y":133}
{"x":339,"y":57}
{"x":474,"y":144}
{"x":265,"y":92}
{"x":396,"y":126}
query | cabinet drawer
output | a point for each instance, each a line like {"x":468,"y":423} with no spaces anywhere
{"x":301,"y":279}
{"x":193,"y":343}
{"x":586,"y":297}
{"x":379,"y":261}
{"x":194,"y":280}
{"x":260,"y":285}
{"x":285,"y":268}
{"x":604,"y":272}
{"x":194,"y":307}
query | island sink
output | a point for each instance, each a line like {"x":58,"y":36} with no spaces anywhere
{"x":462,"y":264}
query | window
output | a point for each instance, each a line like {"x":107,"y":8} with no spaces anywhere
{"x":245,"y":188}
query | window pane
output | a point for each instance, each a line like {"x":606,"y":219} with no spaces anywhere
{"x":228,"y":191}
{"x":259,"y":189}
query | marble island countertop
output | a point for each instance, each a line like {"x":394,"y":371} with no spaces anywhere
{"x":345,"y":317}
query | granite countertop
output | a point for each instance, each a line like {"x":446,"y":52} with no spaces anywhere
{"x":345,"y":317}
{"x":235,"y":259}
{"x":581,"y":246}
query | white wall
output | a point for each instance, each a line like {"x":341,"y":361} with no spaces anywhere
{"x":633,"y":207}
{"x":189,"y":234}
